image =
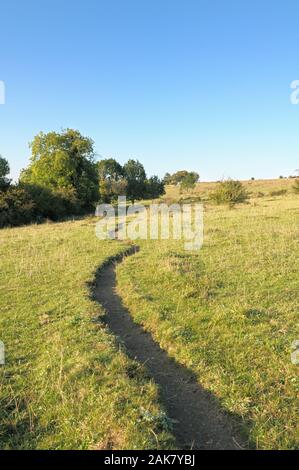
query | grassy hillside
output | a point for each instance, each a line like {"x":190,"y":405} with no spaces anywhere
{"x":230,"y":311}
{"x":256,"y":188}
{"x":65,"y":384}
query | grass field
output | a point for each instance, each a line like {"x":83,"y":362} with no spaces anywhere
{"x":228,"y":312}
{"x":65,"y":384}
{"x":255,"y":188}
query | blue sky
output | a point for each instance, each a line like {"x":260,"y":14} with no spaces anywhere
{"x":196,"y":85}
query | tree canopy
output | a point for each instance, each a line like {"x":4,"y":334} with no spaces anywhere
{"x":63,"y":179}
{"x":64,"y":162}
{"x":180,"y":176}
{"x":111,"y":180}
{"x":189,"y":181}
{"x":110,"y":169}
{"x":135,"y":175}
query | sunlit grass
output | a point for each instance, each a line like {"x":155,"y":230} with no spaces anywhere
{"x":66,"y":385}
{"x":230,"y":312}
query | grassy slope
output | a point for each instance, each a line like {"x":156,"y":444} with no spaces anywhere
{"x":253,"y":187}
{"x":230,"y":311}
{"x":65,"y":383}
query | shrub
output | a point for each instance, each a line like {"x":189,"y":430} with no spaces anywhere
{"x":27,"y":203}
{"x":296,"y":186}
{"x":16,"y":207}
{"x":280,"y":192}
{"x":52,"y":205}
{"x":189,"y":182}
{"x":229,"y":192}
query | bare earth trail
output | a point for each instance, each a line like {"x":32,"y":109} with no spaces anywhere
{"x":198,"y":421}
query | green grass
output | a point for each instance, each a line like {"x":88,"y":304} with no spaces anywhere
{"x":230,"y":311}
{"x":66,"y":385}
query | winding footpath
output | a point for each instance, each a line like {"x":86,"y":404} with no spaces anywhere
{"x":198,"y":422}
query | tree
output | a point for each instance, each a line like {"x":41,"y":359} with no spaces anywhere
{"x":179,"y":176}
{"x":64,"y":162}
{"x":154,"y":187}
{"x":4,"y":171}
{"x":111,"y":180}
{"x":189,"y":181}
{"x":110,"y":169}
{"x":110,"y":189}
{"x":135,"y":175}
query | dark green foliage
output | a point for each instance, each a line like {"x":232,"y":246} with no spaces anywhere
{"x":4,"y":171}
{"x":154,"y":187}
{"x":16,"y":207}
{"x":27,"y":203}
{"x":52,"y":205}
{"x":229,"y":192}
{"x":135,"y":175}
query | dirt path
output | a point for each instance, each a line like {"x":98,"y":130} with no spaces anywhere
{"x":199,"y":422}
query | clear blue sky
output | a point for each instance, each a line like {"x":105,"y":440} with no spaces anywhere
{"x":190,"y":84}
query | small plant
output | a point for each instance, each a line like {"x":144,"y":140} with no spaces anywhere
{"x":296,"y":186}
{"x":280,"y":192}
{"x":229,"y":192}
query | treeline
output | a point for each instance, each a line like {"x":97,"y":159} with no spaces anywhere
{"x":64,"y":179}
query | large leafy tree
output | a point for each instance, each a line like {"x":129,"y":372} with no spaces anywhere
{"x":4,"y":171}
{"x":135,"y":175}
{"x":64,"y":162}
